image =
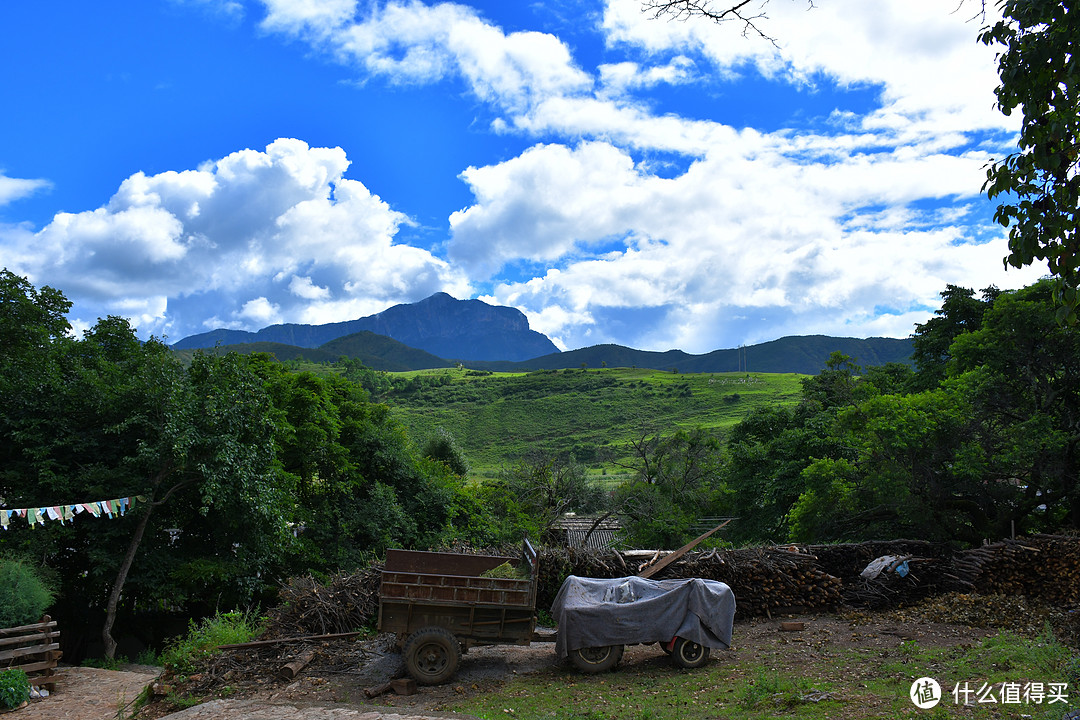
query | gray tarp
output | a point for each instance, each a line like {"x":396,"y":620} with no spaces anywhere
{"x":595,"y":613}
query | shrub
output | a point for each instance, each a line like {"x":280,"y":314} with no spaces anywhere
{"x":23,"y":594}
{"x":184,"y":654}
{"x":14,"y":688}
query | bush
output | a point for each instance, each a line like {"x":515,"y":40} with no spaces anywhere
{"x":184,"y":654}
{"x":14,"y":688}
{"x":23,"y":594}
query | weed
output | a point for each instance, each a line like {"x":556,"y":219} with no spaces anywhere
{"x":202,"y":639}
{"x":105,"y":663}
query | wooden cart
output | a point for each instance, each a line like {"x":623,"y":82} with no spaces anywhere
{"x":439,"y":605}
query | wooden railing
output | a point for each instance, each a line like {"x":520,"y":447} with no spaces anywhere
{"x":34,"y":648}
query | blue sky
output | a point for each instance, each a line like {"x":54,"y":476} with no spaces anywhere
{"x":194,"y":164}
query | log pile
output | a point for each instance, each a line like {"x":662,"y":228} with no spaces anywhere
{"x":1046,"y":567}
{"x":763,"y":579}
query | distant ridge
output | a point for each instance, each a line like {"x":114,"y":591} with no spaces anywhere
{"x":377,"y":352}
{"x":440,"y":325}
{"x":805,"y":355}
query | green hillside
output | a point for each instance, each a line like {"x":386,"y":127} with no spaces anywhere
{"x":282,"y":352}
{"x":377,"y":352}
{"x":499,"y":417}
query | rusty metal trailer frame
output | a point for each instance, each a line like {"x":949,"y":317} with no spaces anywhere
{"x":424,"y":596}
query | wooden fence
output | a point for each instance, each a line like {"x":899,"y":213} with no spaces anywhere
{"x":34,"y":648}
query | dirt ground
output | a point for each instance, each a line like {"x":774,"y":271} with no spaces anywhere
{"x":332,"y":687}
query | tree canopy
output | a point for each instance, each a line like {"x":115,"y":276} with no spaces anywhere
{"x":1040,"y":183}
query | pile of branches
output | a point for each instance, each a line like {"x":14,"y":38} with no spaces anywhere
{"x":847,"y":560}
{"x":307,"y":606}
{"x":923,"y":578}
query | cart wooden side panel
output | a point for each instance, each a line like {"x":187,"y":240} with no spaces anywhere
{"x":423,"y":589}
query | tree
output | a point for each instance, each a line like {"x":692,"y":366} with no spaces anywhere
{"x":442,"y":447}
{"x":535,"y":492}
{"x":911,"y":466}
{"x":960,"y":312}
{"x":676,"y":481}
{"x":1023,"y":368}
{"x":108,"y":416}
{"x":1040,"y":76}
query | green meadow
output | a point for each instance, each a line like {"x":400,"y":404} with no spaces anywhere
{"x":589,"y":413}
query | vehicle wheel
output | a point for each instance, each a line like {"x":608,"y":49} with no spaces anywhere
{"x":432,"y":655}
{"x":596,"y":659}
{"x":689,"y":654}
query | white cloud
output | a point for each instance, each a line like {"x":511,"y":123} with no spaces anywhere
{"x":12,"y":189}
{"x":258,"y":236}
{"x":933,"y":74}
{"x":618,"y":78}
{"x":733,"y":235}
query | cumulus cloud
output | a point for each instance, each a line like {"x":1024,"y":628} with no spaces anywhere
{"x":256,"y":237}
{"x":729,"y":240}
{"x":851,"y":224}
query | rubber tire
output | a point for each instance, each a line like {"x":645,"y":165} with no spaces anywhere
{"x":596,"y":659}
{"x":432,"y":655}
{"x":689,"y":654}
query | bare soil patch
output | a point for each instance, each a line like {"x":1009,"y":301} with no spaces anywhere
{"x":344,"y":668}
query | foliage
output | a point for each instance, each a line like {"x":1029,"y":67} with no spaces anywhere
{"x":675,"y":482}
{"x":442,"y":447}
{"x":912,"y":472}
{"x":1040,"y":76}
{"x":768,"y":452}
{"x":184,"y":653}
{"x":226,"y":455}
{"x":24,"y":597}
{"x":14,"y":688}
{"x":1023,"y":371}
{"x":360,"y":486}
{"x":960,"y":312}
{"x":529,"y":496}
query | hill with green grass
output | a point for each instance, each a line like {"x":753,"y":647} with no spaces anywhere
{"x":499,"y":417}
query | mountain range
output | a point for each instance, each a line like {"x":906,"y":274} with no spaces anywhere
{"x":441,"y":331}
{"x":440,"y":324}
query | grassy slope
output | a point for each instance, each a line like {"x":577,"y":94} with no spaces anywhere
{"x":499,"y":417}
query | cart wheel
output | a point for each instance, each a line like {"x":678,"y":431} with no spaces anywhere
{"x":596,"y":659}
{"x":432,"y":655}
{"x":689,"y":654}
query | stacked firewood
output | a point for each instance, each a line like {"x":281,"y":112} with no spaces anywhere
{"x":1046,"y":567}
{"x":764,"y":579}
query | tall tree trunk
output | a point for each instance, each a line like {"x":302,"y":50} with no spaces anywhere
{"x":118,"y":584}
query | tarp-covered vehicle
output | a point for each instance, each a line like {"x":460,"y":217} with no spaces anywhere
{"x":597,"y":618}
